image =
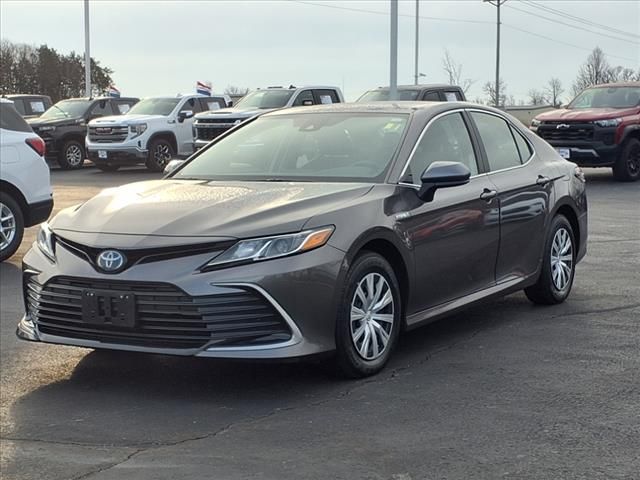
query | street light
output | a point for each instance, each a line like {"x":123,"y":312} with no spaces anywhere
{"x":497,"y":3}
{"x":416,"y":75}
{"x":87,"y":53}
{"x":393,"y":54}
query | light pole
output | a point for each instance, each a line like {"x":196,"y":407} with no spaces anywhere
{"x":497,"y":3}
{"x":416,"y":74}
{"x":393,"y":54}
{"x":87,"y":53}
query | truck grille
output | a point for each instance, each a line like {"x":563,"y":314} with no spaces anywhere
{"x":205,"y":132}
{"x":165,"y":316}
{"x":108,"y":134}
{"x":565,"y":131}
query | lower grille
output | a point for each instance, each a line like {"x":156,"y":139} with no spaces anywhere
{"x":166,"y":317}
{"x":209,"y":133}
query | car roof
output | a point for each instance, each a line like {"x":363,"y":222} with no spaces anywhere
{"x":381,"y":107}
{"x":100,"y":98}
{"x":418,"y":87}
{"x":295,"y":88}
{"x":615,"y":84}
{"x":25,"y":95}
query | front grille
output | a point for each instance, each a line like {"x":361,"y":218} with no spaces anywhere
{"x":565,"y":131}
{"x":219,"y":120}
{"x":209,"y":133}
{"x":166,"y":317}
{"x":108,"y":134}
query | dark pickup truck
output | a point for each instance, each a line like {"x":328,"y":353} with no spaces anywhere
{"x":599,"y":128}
{"x":434,"y":92}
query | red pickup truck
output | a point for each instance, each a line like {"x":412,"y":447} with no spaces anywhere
{"x":599,"y":128}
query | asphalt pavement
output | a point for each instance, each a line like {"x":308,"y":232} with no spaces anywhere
{"x":505,"y":390}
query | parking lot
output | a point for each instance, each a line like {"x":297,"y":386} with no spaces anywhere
{"x":505,"y":390}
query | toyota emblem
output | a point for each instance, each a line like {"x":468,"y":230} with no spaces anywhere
{"x":111,"y":261}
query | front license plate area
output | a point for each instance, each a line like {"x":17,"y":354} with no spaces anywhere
{"x":102,"y":154}
{"x":109,"y":308}
{"x":564,"y":152}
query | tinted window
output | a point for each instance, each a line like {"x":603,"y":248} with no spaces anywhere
{"x":212,"y":103}
{"x":304,"y":96}
{"x":191,"y":106}
{"x":19,"y":106}
{"x":453,"y":96}
{"x":101,"y":109}
{"x":327,"y":96}
{"x":11,"y":120}
{"x":445,"y":140}
{"x":121,"y":107}
{"x":432,"y":97}
{"x":498,"y":142}
{"x":523,"y":145}
{"x":67,"y":109}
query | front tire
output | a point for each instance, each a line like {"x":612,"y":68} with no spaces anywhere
{"x":558,"y":265}
{"x":627,"y":167}
{"x":369,"y":317}
{"x":161,"y":152}
{"x":72,"y":155}
{"x":11,"y":226}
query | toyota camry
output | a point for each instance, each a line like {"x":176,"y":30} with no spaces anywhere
{"x":328,"y":229}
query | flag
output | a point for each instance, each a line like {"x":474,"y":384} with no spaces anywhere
{"x":112,"y":91}
{"x":203,"y":88}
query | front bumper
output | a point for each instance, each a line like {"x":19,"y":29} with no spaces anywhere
{"x":117,"y":156}
{"x":590,"y":154}
{"x":300,"y":288}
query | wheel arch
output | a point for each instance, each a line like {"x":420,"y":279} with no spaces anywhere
{"x":15,"y":193}
{"x":630,"y":131}
{"x":164,"y":135}
{"x":568,"y":209}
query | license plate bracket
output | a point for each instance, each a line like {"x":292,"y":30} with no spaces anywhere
{"x":109,"y":308}
{"x":102,"y":154}
{"x":564,"y":152}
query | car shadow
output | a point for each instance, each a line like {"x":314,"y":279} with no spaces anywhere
{"x":126,"y":398}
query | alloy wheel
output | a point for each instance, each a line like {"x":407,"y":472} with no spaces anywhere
{"x":561,"y":259}
{"x":162,"y":154}
{"x":7,"y":226}
{"x":633,"y":160}
{"x":372,"y":316}
{"x":74,"y":155}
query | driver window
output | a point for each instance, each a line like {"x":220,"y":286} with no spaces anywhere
{"x":189,"y":106}
{"x":101,"y":109}
{"x":304,"y":98}
{"x":445,"y":140}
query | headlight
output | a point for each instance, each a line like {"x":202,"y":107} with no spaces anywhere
{"x":137,"y":129}
{"x":535,"y":122}
{"x":45,"y":242}
{"x":258,"y":249}
{"x":611,"y":122}
{"x":49,"y":128}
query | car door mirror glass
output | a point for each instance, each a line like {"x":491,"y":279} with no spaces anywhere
{"x":442,"y":175}
{"x":172,"y":165}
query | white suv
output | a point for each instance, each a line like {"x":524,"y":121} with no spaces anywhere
{"x":154,"y":131}
{"x":25,"y":188}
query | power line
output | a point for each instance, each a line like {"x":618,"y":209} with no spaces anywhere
{"x":584,"y":21}
{"x":573,"y":26}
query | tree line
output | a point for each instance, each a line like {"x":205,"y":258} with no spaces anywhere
{"x":42,"y":70}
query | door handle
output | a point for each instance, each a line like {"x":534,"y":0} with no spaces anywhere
{"x":488,"y":195}
{"x":542,"y":180}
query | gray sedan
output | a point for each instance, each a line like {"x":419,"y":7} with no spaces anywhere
{"x":313,"y":230}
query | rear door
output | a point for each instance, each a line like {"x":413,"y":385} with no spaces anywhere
{"x":326,"y":97}
{"x":455,"y":237}
{"x":524,"y":193}
{"x":184,"y":130}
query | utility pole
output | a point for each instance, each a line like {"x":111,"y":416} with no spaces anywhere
{"x":415,"y":77}
{"x":497,"y":3}
{"x":393,"y":54}
{"x":87,"y":53}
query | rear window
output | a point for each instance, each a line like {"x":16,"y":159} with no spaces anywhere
{"x":10,"y":119}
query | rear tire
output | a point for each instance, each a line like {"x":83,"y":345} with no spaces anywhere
{"x":107,"y":167}
{"x":558,"y":265}
{"x":369,"y":317}
{"x":11,"y":226}
{"x":627,"y":167}
{"x":72,"y":155}
{"x":161,"y":152}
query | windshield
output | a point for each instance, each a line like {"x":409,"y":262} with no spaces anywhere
{"x":607,"y":97}
{"x":265,"y":99}
{"x":154,"y":106}
{"x":67,"y":109}
{"x":304,"y":147}
{"x":380,"y":95}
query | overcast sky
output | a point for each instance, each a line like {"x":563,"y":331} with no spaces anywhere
{"x":163,"y":47}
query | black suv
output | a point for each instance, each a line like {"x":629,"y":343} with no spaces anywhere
{"x":433,"y":92}
{"x":30,"y":106}
{"x":63,"y":127}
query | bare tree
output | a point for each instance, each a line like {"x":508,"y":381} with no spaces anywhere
{"x":489,"y":89}
{"x":537,"y":97}
{"x":233,"y":90}
{"x":594,"y":71}
{"x":553,"y":91}
{"x":454,"y":71}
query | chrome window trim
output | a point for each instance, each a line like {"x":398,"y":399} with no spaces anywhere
{"x":415,"y":185}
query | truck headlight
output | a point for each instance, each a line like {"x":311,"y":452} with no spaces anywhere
{"x":45,"y":242}
{"x":535,"y":122}
{"x":137,"y":129}
{"x":49,"y":128}
{"x":258,"y":249}
{"x":611,"y":122}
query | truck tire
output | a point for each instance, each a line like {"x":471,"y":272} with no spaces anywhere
{"x":627,"y":167}
{"x":72,"y":155}
{"x":11,"y":226}
{"x":161,"y":152}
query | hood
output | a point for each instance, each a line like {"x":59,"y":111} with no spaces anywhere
{"x":189,"y":208}
{"x":55,"y":122}
{"x":124,"y":120}
{"x":234,"y":112}
{"x":585,"y":114}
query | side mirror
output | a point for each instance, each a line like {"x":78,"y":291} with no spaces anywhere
{"x":185,"y":114}
{"x":307,"y":103}
{"x":172,"y":165}
{"x":442,"y":175}
{"x":230,"y":104}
